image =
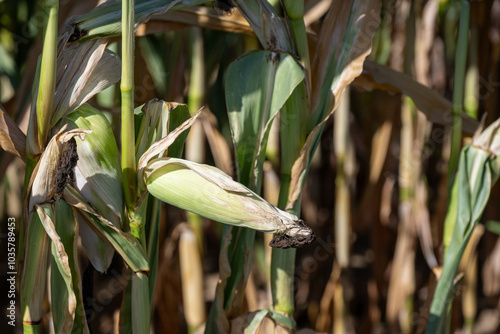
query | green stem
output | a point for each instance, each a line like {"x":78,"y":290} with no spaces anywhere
{"x":47,"y":86}
{"x":127,"y":114}
{"x":140,"y":304}
{"x":283,"y":263}
{"x":458,"y":90}
{"x":293,"y":138}
{"x":195,"y":143}
{"x":295,"y":11}
{"x":471,"y":102}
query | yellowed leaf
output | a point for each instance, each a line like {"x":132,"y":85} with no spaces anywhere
{"x":12,"y":139}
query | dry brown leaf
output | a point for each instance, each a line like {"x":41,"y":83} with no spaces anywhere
{"x":315,"y":10}
{"x":218,"y":145}
{"x":491,"y":272}
{"x":50,"y":228}
{"x":75,"y":83}
{"x":432,"y":104}
{"x":12,"y":139}
{"x":202,"y":17}
{"x":402,"y":280}
{"x":192,"y":279}
{"x":43,"y":178}
{"x":422,"y":219}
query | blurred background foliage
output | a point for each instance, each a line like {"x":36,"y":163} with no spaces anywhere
{"x":395,"y":214}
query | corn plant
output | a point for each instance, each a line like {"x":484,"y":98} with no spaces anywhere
{"x":91,"y":192}
{"x":82,"y":183}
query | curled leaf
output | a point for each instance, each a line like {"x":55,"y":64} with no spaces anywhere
{"x":76,"y":83}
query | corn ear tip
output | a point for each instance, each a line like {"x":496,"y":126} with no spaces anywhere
{"x":294,"y":237}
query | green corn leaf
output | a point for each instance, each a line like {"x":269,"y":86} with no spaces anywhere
{"x":105,"y":20}
{"x":479,"y":169}
{"x":493,"y":226}
{"x":258,"y":85}
{"x":258,"y":316}
{"x":266,"y":24}
{"x":343,"y":45}
{"x":123,"y":243}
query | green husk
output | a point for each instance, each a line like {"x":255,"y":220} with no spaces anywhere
{"x":98,"y":179}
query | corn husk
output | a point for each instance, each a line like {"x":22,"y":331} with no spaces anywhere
{"x":98,"y":179}
{"x":43,"y":179}
{"x":207,"y":191}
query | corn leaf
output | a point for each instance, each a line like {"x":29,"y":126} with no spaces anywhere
{"x":12,"y":139}
{"x":259,"y":84}
{"x":105,"y":20}
{"x":254,"y":320}
{"x":344,"y":42}
{"x":34,"y":273}
{"x":493,"y":226}
{"x":67,"y":229}
{"x":126,"y":245}
{"x":157,"y":120}
{"x":63,"y":298}
{"x":203,"y":17}
{"x":435,"y":107}
{"x":479,"y":169}
{"x":266,"y":24}
{"x":163,"y":144}
{"x":76,"y":83}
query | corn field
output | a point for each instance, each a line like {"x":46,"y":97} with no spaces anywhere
{"x":260,"y":166}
